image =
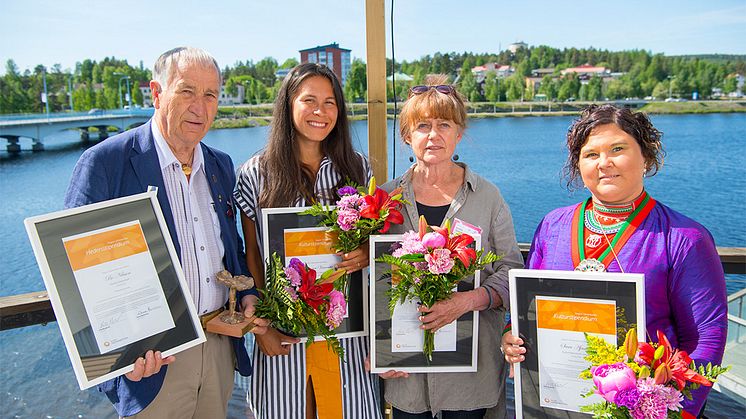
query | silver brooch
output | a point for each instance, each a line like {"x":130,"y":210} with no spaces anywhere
{"x":590,"y":265}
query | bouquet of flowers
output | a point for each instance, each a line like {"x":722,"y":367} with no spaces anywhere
{"x":643,"y":380}
{"x":359,"y":213}
{"x":428,"y":267}
{"x":294,"y":300}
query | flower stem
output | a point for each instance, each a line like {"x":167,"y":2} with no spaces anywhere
{"x":429,"y":345}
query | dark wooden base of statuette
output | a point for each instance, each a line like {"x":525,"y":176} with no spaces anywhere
{"x":237,"y":330}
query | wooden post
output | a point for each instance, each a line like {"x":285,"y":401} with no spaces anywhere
{"x":375,"y":29}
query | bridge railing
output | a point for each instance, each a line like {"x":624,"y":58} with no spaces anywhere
{"x":34,"y":308}
{"x":733,"y":383}
{"x":94,"y":113}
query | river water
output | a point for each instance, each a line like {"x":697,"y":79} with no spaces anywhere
{"x":704,"y":177}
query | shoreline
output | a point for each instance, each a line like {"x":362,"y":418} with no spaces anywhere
{"x":250,"y":116}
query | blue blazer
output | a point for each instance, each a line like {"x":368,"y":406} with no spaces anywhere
{"x":126,"y":164}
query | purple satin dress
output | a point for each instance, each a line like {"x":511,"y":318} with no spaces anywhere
{"x":685,"y":293}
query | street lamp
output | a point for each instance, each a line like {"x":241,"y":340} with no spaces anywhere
{"x":129,"y":98}
{"x":70,"y":91}
{"x":45,"y":96}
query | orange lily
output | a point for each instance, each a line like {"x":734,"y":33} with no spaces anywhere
{"x":672,"y":364}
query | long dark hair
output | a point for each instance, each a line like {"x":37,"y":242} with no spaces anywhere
{"x":636,"y":124}
{"x":285,"y":177}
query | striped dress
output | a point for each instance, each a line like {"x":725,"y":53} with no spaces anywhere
{"x":278,"y":385}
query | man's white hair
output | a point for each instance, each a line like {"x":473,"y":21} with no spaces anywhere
{"x":169,"y":62}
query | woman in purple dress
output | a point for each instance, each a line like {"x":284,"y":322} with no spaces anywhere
{"x":621,"y":228}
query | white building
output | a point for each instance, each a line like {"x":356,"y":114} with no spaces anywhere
{"x":502,"y":71}
{"x":516,"y":46}
{"x":224,"y":99}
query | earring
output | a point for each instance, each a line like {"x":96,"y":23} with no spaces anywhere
{"x":411,"y":159}
{"x":455,"y":157}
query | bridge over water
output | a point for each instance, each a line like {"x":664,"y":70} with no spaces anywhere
{"x":39,"y":126}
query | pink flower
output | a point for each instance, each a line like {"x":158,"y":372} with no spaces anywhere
{"x":650,"y":406}
{"x":337,"y":309}
{"x":433,"y":240}
{"x":439,"y":261}
{"x":610,"y":379}
{"x":410,"y":244}
{"x":655,"y":400}
{"x":293,"y":276}
{"x":292,"y":293}
{"x":350,"y":202}
{"x":347,"y":218}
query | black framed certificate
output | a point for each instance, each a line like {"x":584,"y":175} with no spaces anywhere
{"x":551,"y":311}
{"x":293,"y":235}
{"x":397,"y":340}
{"x":115,"y":284}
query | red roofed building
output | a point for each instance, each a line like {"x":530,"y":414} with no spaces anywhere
{"x":587,"y":71}
{"x":332,"y":56}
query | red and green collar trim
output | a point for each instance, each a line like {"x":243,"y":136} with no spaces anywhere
{"x":620,"y":238}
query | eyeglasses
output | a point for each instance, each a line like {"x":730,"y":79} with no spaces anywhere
{"x":446,"y":89}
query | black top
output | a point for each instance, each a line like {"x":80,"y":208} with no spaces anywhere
{"x":433,"y":215}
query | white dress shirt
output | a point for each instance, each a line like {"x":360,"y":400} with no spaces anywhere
{"x":197,"y":225}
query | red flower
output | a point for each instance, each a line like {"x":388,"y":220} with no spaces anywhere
{"x":311,"y":293}
{"x":673,"y":363}
{"x":380,"y":205}
{"x":458,"y":245}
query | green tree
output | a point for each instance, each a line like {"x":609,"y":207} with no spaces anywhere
{"x":592,"y":91}
{"x":468,"y":86}
{"x":515,"y":87}
{"x":289,"y":63}
{"x":569,"y":87}
{"x":730,"y":84}
{"x":660,"y":91}
{"x":265,"y":71}
{"x":548,"y":87}
{"x":491,"y":87}
{"x":137,"y":97}
{"x":356,"y":88}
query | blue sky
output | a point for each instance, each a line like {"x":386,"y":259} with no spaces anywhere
{"x":66,"y":31}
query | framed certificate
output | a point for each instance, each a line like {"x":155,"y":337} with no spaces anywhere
{"x":292,"y":235}
{"x":115,"y":284}
{"x":551,"y":311}
{"x":397,"y":340}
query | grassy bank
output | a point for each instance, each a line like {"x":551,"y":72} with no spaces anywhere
{"x":247,"y":116}
{"x":694,"y":107}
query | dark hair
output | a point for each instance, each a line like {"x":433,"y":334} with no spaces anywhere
{"x":636,"y":124}
{"x":285,"y":177}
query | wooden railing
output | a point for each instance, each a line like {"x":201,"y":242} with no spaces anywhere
{"x":34,"y":308}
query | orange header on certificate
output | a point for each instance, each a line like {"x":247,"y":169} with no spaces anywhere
{"x":576,"y":316}
{"x":308,"y":242}
{"x":86,"y":250}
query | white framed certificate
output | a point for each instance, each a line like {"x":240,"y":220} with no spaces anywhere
{"x":290,"y":234}
{"x":396,"y":340}
{"x":552,"y":311}
{"x":115,"y":283}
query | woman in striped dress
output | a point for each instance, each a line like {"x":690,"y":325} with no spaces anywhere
{"x":308,"y":156}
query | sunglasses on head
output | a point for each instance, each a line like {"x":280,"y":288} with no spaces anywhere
{"x":446,"y":89}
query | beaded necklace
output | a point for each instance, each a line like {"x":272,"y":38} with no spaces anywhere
{"x":609,"y":250}
{"x":607,"y":219}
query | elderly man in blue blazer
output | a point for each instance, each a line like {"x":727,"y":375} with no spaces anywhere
{"x":195,"y":184}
